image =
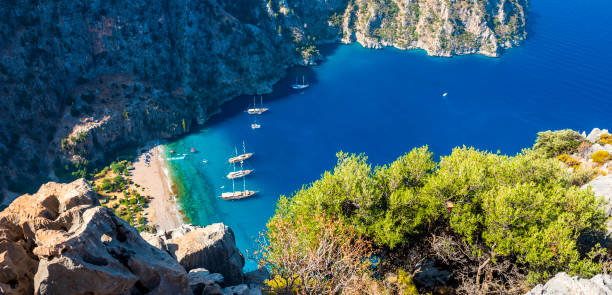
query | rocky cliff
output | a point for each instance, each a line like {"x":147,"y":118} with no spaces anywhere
{"x":80,"y":79}
{"x":60,"y":241}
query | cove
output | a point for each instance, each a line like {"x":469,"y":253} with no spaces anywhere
{"x":385,"y":102}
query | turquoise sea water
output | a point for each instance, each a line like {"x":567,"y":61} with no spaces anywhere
{"x":384,"y":103}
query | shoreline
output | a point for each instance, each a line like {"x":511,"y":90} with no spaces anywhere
{"x":154,"y":180}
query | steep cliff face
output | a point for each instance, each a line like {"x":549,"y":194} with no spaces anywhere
{"x":442,"y":28}
{"x":81,"y":78}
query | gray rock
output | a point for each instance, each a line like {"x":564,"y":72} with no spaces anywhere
{"x":60,"y":241}
{"x":258,"y":276}
{"x":241,"y":289}
{"x":602,"y":187}
{"x":202,"y":281}
{"x":213,"y":289}
{"x":430,"y":276}
{"x":212,"y":247}
{"x":563,"y":284}
{"x":595,"y":134}
{"x":202,"y":275}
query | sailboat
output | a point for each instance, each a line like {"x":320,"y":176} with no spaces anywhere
{"x":236,"y":195}
{"x":300,"y":86}
{"x":240,"y":158}
{"x":238,"y":174}
{"x":242,"y":172}
{"x":255,"y":125}
{"x":255,"y":110}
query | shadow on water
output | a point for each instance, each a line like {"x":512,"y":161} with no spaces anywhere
{"x":280,"y":90}
{"x":531,"y":25}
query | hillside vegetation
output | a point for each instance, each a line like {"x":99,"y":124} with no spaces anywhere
{"x":476,"y":222}
{"x":81,"y":80}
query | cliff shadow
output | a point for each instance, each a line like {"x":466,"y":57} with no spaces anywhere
{"x":280,"y":90}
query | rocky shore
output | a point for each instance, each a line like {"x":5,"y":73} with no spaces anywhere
{"x":60,"y":241}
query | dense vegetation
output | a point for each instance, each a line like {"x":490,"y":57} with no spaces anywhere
{"x":495,"y":223}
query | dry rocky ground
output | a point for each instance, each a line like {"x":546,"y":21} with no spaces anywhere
{"x":61,"y":241}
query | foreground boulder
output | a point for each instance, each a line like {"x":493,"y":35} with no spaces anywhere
{"x":212,"y":247}
{"x":202,"y":281}
{"x":60,"y":241}
{"x":563,"y":284}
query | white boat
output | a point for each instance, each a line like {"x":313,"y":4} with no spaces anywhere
{"x":240,"y":158}
{"x":255,"y":110}
{"x":255,"y":126}
{"x":238,"y":174}
{"x":300,"y":86}
{"x":237,"y":195}
{"x":445,"y":94}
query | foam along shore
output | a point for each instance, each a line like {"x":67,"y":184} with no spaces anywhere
{"x":162,"y":212}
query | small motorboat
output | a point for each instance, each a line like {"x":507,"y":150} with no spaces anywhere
{"x":255,"y":126}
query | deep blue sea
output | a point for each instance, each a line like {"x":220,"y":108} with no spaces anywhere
{"x":385,"y":102}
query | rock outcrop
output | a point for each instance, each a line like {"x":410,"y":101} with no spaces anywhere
{"x":202,"y":281}
{"x":563,"y":284}
{"x":60,"y":241}
{"x":212,"y":247}
{"x":81,"y":80}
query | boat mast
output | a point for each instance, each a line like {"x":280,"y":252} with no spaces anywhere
{"x":234,"y":164}
{"x":243,"y":180}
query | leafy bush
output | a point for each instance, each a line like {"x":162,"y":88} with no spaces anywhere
{"x":119,"y":167}
{"x":600,"y":157}
{"x":113,"y":185}
{"x":518,"y":218}
{"x":554,"y":143}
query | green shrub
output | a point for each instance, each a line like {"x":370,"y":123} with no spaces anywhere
{"x":600,"y":157}
{"x":554,"y":143}
{"x":522,"y":209}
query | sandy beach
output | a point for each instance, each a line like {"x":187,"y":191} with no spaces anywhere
{"x":162,"y":211}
